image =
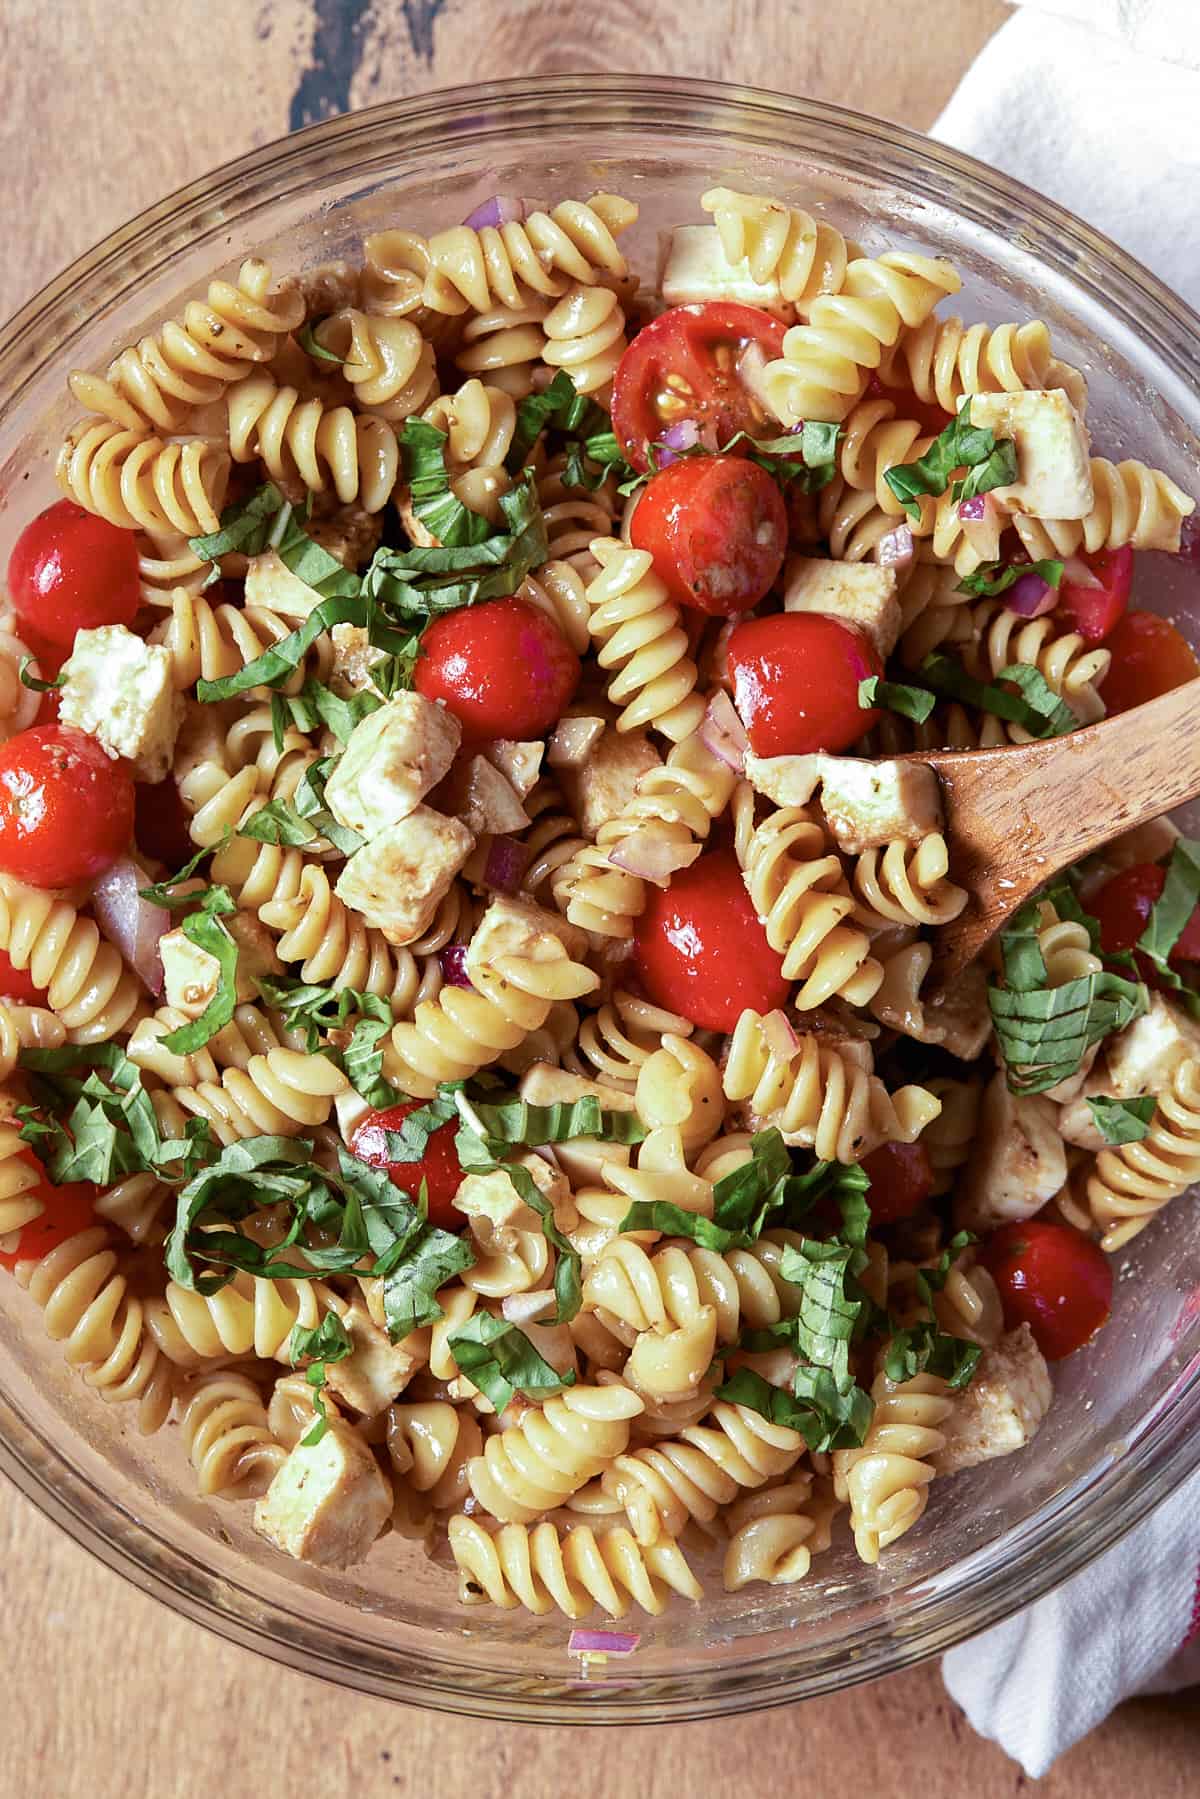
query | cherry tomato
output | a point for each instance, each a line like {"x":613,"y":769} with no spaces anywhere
{"x":18,"y":984}
{"x":717,"y":529}
{"x":1149,"y":657}
{"x":439,"y":1167}
{"x":70,"y":571}
{"x":1123,"y":906}
{"x":1052,"y":1278}
{"x":69,"y":1209}
{"x":66,"y":811}
{"x":1095,"y":611}
{"x":926,"y":413}
{"x":901,"y":1180}
{"x":700,"y":949}
{"x":504,"y":669}
{"x":795,"y":682}
{"x":684,"y":366}
{"x":160,"y":823}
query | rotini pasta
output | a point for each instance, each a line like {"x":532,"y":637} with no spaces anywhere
{"x":640,"y":636}
{"x":574,"y":241}
{"x":887,"y":1480}
{"x":806,"y":256}
{"x":575,"y":1569}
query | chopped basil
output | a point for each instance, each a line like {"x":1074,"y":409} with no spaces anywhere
{"x":1044,"y":1032}
{"x":162,"y":894}
{"x":96,"y":1130}
{"x":807,"y":457}
{"x":924,"y":1349}
{"x":278,"y":822}
{"x":316,"y":705}
{"x":910,"y":702}
{"x":826,"y":1417}
{"x":516,"y":1121}
{"x":993,"y":578}
{"x":1123,"y":1120}
{"x":557,"y":408}
{"x":1173,"y":908}
{"x":246,"y":526}
{"x":1035,"y":707}
{"x":991,"y":462}
{"x":204,"y":928}
{"x":319,"y":1010}
{"x":362,"y":1060}
{"x":312,"y":346}
{"x":502,"y":1361}
{"x":479,"y":1152}
{"x":309,"y":800}
{"x":434,"y":503}
{"x":418,"y":584}
{"x":32,"y":681}
{"x":324,"y":1343}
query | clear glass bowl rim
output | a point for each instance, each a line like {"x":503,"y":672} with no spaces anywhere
{"x":1083,"y":1520}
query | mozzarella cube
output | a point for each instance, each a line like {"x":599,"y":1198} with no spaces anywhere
{"x":519,"y":763}
{"x":394,"y":756}
{"x":121,"y":691}
{"x":959,"y":1018}
{"x":581,"y":1158}
{"x":860,"y":594}
{"x":1018,"y":1161}
{"x":512,"y":927}
{"x":354,"y":656}
{"x":398,"y":879}
{"x":866,"y":804}
{"x":1054,"y":478}
{"x":601,"y":788}
{"x":191,"y":976}
{"x":488,"y":804}
{"x":1143,"y":1057}
{"x":272,"y":587}
{"x":376,"y":1370}
{"x":695,"y":267}
{"x":1003,"y":1407}
{"x":329,"y":1501}
{"x":573,"y":739}
{"x":351,"y":534}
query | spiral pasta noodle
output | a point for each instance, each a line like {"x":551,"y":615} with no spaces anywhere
{"x":18,"y":704}
{"x":664,"y":1486}
{"x":87,"y":985}
{"x":887,"y":1480}
{"x":774,"y":1533}
{"x":20,"y":1201}
{"x":585,"y":334}
{"x":555,"y":1449}
{"x":138,"y":482}
{"x":1134,"y":505}
{"x":26,"y":1027}
{"x":1128,"y":1185}
{"x":574,"y":241}
{"x":307,"y":445}
{"x":670,"y":1289}
{"x":388,"y":364}
{"x":617,"y":1041}
{"x":224,"y":1428}
{"x":806,"y":256}
{"x":281,"y":1094}
{"x":1070,"y":667}
{"x":249,"y":1316}
{"x":574,"y":1570}
{"x":943,"y":360}
{"x":875,"y":441}
{"x":505,"y":344}
{"x":949,"y":1136}
{"x":908,"y":884}
{"x":640,"y":637}
{"x":211,"y":641}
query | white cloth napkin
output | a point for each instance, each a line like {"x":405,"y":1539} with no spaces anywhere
{"x":1096,"y":103}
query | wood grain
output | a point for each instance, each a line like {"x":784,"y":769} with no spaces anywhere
{"x":105,"y":105}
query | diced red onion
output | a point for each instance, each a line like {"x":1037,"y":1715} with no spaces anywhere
{"x":602,"y":1642}
{"x":520,"y":1308}
{"x":1077,"y":572}
{"x":684,"y":435}
{"x":499,"y":209}
{"x":1030,"y":597}
{"x":897,"y":549}
{"x":651,"y":856}
{"x":723,"y":734}
{"x":1189,"y":540}
{"x":506,"y":864}
{"x":751,"y":368}
{"x":572,"y":740}
{"x":453,"y":963}
{"x":974,"y":508}
{"x":129,"y":921}
{"x":779,"y":1036}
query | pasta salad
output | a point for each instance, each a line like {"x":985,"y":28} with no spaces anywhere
{"x":465,"y":916}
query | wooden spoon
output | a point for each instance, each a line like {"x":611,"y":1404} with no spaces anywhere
{"x":1015,"y":816}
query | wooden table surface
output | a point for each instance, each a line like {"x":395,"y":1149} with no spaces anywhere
{"x":105,"y":105}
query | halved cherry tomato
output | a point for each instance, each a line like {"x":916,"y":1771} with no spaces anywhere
{"x":1052,"y":1278}
{"x":160,"y":823}
{"x":17,"y":984}
{"x":700,"y":949}
{"x":504,"y":669}
{"x":66,"y":811}
{"x":901,"y":1180}
{"x":70,"y":571}
{"x":717,"y":529}
{"x":684,"y":366}
{"x":1149,"y":658}
{"x":795,"y":682}
{"x":1095,"y":611}
{"x":439,"y":1167}
{"x":926,"y":413}
{"x":68,"y":1209}
{"x":1123,"y":907}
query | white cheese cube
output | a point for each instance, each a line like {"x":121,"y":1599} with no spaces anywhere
{"x":121,"y":691}
{"x":397,"y":879}
{"x":394,"y":756}
{"x":1017,"y":1163}
{"x":488,"y":804}
{"x":191,"y":976}
{"x":519,"y":763}
{"x":329,"y":1501}
{"x":580,"y":1158}
{"x":512,"y":927}
{"x":354,"y":656}
{"x":695,"y":267}
{"x":1003,"y":1407}
{"x":1054,"y":478}
{"x":866,"y":804}
{"x":1143,"y":1057}
{"x":272,"y":587}
{"x":859,"y":594}
{"x":601,"y":788}
{"x":376,"y":1370}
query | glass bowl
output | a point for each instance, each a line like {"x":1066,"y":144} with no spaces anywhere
{"x":1125,"y":1428}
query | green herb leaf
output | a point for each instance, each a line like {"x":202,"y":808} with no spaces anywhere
{"x":98,"y":1129}
{"x":557,"y":408}
{"x":807,"y":457}
{"x":1035,"y":705}
{"x":324,"y":1343}
{"x":246,"y":526}
{"x":516,"y":1121}
{"x":434,"y":503}
{"x":419,"y":584}
{"x":923,"y":1348}
{"x":362,"y":1060}
{"x":312,"y":345}
{"x":316,"y":705}
{"x":32,"y":681}
{"x":480,"y":1153}
{"x":910,"y":702}
{"x":826,"y":1417}
{"x":1174,"y":906}
{"x":309,"y":801}
{"x":502,"y":1361}
{"x":993,"y":578}
{"x":162,"y":892}
{"x":277,"y":821}
{"x":1123,"y":1120}
{"x":319,"y":1010}
{"x":992,"y":463}
{"x":205,"y":930}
